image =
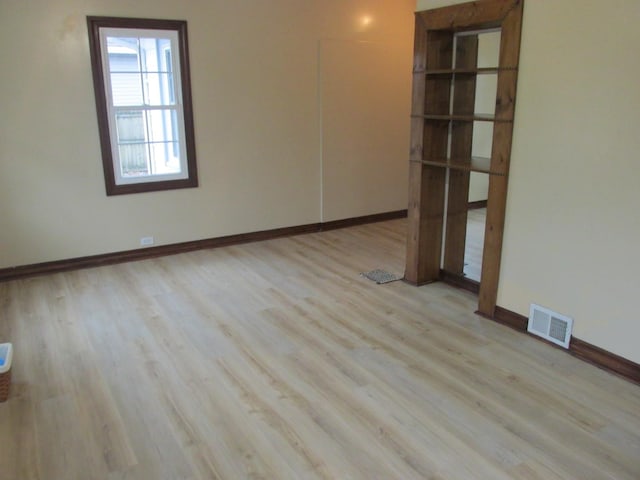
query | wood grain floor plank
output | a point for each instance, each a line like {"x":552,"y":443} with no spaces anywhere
{"x":278,"y":360}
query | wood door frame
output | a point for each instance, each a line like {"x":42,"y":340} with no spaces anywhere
{"x":433,"y":49}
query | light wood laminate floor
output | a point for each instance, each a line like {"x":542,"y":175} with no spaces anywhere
{"x":276,"y":360}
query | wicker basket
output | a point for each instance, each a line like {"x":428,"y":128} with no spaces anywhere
{"x":6,"y":352}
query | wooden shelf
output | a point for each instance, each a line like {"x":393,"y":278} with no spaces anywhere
{"x":473,"y":164}
{"x":464,"y":71}
{"x":443,"y":111}
{"x":476,"y":117}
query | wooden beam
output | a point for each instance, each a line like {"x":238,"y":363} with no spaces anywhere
{"x":461,"y":142}
{"x":429,"y":140}
{"x":472,"y":15}
{"x":500,"y":158}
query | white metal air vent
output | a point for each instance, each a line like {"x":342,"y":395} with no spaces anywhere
{"x":550,"y":325}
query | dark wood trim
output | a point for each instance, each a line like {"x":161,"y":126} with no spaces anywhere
{"x":460,"y":281}
{"x":461,"y":139}
{"x":510,"y":319}
{"x":94,"y":25}
{"x":427,"y":184}
{"x":578,"y":348}
{"x":605,"y":359}
{"x":150,"y":252}
{"x":477,"y":204}
{"x":414,"y":284}
{"x":24,"y":271}
{"x":352,"y":222}
{"x":500,"y":158}
{"x":468,"y":16}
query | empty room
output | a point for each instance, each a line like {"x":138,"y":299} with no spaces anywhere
{"x":319,"y":239}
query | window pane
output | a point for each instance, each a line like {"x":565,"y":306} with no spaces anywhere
{"x":158,"y":88}
{"x":152,"y":52}
{"x":162,"y":128}
{"x":126,"y":89}
{"x":134,"y":159}
{"x":123,"y":54}
{"x":148,"y":142}
{"x":132,"y":146}
{"x":130,"y":126}
{"x":162,"y":125}
{"x":163,"y":158}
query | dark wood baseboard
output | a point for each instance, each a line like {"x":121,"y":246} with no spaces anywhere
{"x":605,"y":359}
{"x":352,"y":222}
{"x":510,"y":319}
{"x":417,"y":284}
{"x":477,"y":204}
{"x":578,"y":348}
{"x":150,"y":252}
{"x":24,"y":271}
{"x":460,"y":281}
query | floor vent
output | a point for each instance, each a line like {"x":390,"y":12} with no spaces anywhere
{"x":550,"y":325}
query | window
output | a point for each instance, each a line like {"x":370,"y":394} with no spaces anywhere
{"x":143,"y":99}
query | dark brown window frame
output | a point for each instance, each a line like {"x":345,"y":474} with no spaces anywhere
{"x":180,"y":27}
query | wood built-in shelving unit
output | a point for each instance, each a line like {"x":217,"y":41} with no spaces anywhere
{"x":442,"y":124}
{"x":461,"y":71}
{"x":471,"y":117}
{"x":472,"y":164}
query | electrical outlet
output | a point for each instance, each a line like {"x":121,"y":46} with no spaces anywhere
{"x":146,"y":241}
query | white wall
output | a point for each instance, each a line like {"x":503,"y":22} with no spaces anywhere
{"x":572,"y":225}
{"x":255,"y":80}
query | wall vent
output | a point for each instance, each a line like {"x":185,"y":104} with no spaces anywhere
{"x":550,"y":325}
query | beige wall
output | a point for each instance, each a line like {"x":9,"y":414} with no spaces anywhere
{"x":358,"y":99}
{"x":572,"y":225}
{"x":255,"y":77}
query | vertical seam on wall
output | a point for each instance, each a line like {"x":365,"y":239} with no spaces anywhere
{"x":320,"y":130}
